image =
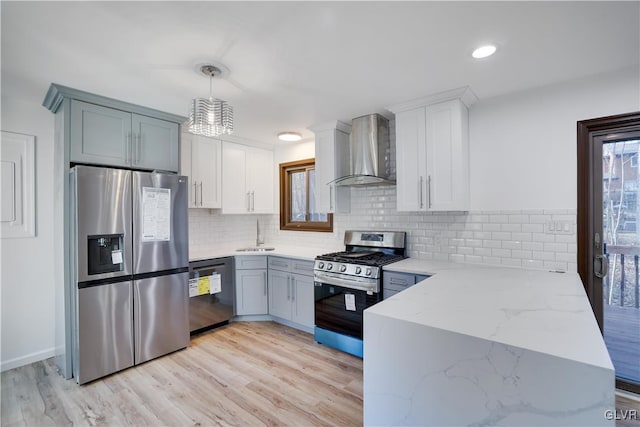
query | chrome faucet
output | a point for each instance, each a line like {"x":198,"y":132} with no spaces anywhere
{"x":259,"y":239}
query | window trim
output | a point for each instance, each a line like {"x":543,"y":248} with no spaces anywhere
{"x":285,"y":199}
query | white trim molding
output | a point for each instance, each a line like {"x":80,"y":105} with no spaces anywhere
{"x":17,"y":183}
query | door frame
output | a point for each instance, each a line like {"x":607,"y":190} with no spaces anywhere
{"x":587,"y":132}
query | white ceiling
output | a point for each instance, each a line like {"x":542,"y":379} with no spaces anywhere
{"x":296,"y":64}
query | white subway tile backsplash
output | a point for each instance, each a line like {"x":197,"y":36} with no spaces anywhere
{"x":515,"y":238}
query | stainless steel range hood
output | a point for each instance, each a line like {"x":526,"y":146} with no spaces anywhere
{"x":370,"y":153}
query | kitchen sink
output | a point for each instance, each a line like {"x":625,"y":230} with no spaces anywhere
{"x":256,"y":249}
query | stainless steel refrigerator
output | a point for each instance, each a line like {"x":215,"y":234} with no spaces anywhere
{"x":131,"y":268}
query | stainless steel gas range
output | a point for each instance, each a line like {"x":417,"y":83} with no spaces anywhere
{"x":348,"y":282}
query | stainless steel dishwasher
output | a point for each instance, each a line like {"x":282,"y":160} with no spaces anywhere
{"x":211,"y":294}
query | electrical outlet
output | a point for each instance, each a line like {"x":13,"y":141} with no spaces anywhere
{"x":559,"y":227}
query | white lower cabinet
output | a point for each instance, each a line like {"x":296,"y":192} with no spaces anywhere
{"x":251,"y":285}
{"x":291,"y":295}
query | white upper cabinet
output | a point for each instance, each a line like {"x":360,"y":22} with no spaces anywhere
{"x":201,"y":161}
{"x":247,"y":179}
{"x":432,"y":152}
{"x":332,"y":162}
{"x":108,"y":136}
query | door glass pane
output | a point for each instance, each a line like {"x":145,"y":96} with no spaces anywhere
{"x":314,"y":215}
{"x":298,"y":196}
{"x":621,"y":235}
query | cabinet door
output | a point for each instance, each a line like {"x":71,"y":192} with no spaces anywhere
{"x":332,"y":162}
{"x":411,"y":155}
{"x":155,"y":144}
{"x":447,"y":156}
{"x":185,"y":166}
{"x":302,"y":299}
{"x":100,"y":135}
{"x":235,"y":196}
{"x":251,"y":292}
{"x":260,"y":180}
{"x":280,"y":294}
{"x":207,"y":165}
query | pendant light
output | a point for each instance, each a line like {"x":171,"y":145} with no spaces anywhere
{"x":213,"y":116}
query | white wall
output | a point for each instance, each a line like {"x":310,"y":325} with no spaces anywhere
{"x":27,"y":265}
{"x":523,"y":146}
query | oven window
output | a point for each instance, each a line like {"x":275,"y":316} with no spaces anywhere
{"x":334,"y":312}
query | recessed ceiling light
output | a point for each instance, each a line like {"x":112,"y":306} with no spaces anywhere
{"x":289,"y":136}
{"x":484,"y":51}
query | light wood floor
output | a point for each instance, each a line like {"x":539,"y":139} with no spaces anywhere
{"x":247,"y":374}
{"x":258,"y":373}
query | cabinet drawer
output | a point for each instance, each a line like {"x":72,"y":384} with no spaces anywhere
{"x":302,"y":267}
{"x":279,"y":263}
{"x":397,"y":281}
{"x":250,"y":262}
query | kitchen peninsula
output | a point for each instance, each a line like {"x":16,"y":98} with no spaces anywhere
{"x":475,"y":345}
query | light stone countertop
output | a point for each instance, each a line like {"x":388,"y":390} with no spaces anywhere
{"x":535,"y":310}
{"x":307,"y":253}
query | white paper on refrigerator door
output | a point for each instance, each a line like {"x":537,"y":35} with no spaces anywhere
{"x":156,"y":214}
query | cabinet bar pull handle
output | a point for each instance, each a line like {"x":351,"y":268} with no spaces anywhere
{"x":420,"y":192}
{"x":253,"y":201}
{"x":288,"y":288}
{"x":293,"y":289}
{"x":127,"y":149}
{"x":248,"y":201}
{"x":265,"y":283}
{"x":331,"y":197}
{"x":139,"y":146}
{"x":429,"y":189}
{"x":195,"y":193}
{"x":200,"y":193}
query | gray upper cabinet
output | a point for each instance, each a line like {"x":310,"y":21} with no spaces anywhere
{"x":100,"y":135}
{"x":156,"y":143}
{"x":106,"y":131}
{"x":107,"y":136}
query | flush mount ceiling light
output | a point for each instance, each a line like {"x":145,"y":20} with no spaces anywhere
{"x":212,"y":116}
{"x":484,"y":51}
{"x":289,"y":136}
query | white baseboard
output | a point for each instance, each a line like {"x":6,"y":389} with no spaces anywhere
{"x":5,"y":365}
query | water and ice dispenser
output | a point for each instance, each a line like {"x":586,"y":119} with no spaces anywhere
{"x":105,"y":253}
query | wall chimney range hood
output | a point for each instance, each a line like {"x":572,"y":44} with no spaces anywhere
{"x":370,"y":153}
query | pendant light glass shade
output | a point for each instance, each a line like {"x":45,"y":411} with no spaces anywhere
{"x":210,"y":117}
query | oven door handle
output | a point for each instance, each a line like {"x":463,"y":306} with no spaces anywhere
{"x":324,"y":278}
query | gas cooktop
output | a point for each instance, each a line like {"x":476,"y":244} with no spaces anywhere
{"x":371,"y":258}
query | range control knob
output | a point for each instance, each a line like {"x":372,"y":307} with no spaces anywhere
{"x":343,"y":268}
{"x":368,"y":272}
{"x":321,"y":265}
{"x":358,"y":270}
{"x":329,"y":266}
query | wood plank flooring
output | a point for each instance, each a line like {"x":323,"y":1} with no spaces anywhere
{"x":258,"y":373}
{"x":248,"y":374}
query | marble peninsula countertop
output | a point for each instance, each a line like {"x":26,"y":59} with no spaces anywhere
{"x":536,"y":310}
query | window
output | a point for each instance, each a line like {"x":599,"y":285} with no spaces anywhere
{"x":297,"y":198}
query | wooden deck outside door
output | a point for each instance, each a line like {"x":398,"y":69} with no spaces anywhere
{"x":593,"y":260}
